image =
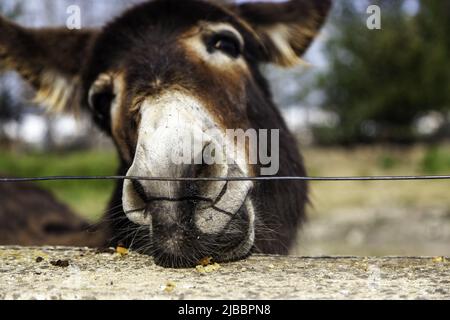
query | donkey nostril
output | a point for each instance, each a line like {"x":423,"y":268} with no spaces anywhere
{"x":139,"y":188}
{"x":201,"y":170}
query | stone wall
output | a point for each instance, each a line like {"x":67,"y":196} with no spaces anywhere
{"x":73,"y":273}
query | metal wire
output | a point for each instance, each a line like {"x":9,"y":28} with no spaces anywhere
{"x":219,"y":179}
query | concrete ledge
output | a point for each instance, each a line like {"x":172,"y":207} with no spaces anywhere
{"x":74,"y":273}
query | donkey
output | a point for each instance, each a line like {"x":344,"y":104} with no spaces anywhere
{"x":162,"y":67}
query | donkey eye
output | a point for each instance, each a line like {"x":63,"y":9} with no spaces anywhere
{"x":225,"y":42}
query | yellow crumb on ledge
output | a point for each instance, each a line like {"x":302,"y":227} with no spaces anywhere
{"x":122,"y":251}
{"x":170,"y":287}
{"x":208,"y":269}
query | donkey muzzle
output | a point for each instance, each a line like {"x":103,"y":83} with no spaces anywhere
{"x":189,"y":217}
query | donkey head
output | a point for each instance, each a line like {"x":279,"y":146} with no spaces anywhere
{"x":163,"y":71}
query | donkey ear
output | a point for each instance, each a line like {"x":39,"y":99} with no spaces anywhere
{"x":285,"y":29}
{"x":49,"y":59}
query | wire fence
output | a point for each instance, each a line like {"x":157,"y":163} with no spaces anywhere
{"x":219,"y":179}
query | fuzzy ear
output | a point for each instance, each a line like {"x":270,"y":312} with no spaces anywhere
{"x":286,"y":29}
{"x":49,"y":59}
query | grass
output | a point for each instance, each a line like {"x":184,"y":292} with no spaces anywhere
{"x":436,"y":160}
{"x":371,"y":161}
{"x":90,"y":198}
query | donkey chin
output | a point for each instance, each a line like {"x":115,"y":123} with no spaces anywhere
{"x":199,"y":219}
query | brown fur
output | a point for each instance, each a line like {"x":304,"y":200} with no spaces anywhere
{"x":147,"y":48}
{"x":30,"y":216}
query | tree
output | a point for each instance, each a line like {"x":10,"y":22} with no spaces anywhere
{"x":379,"y":82}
